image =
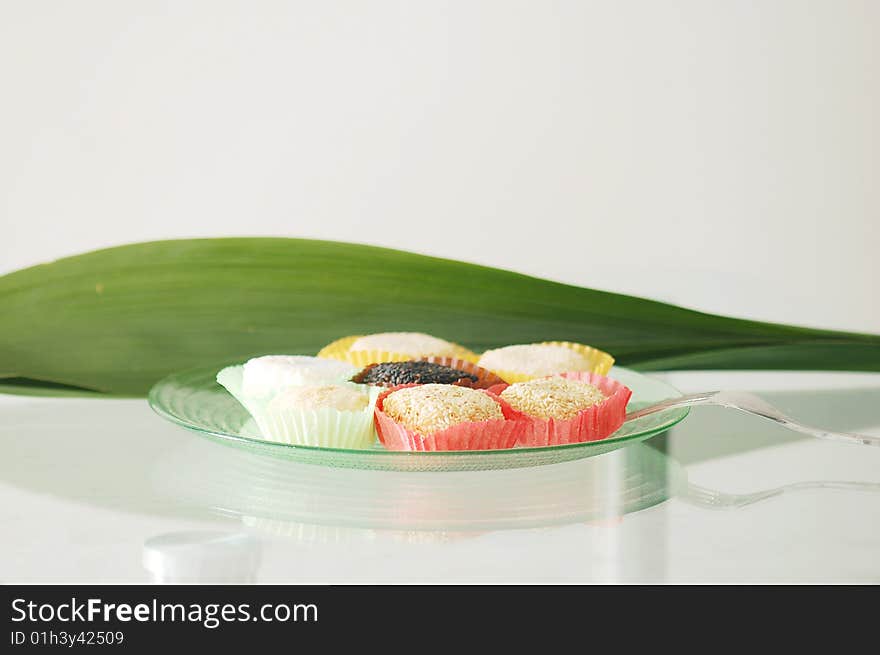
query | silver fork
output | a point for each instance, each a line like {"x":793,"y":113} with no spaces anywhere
{"x":752,"y":404}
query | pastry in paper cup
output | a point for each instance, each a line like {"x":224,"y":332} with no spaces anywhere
{"x":442,"y":417}
{"x":428,"y":370}
{"x":521,"y":362}
{"x":345,"y":421}
{"x":330,"y":415}
{"x":568,"y":408}
{"x":363,"y":350}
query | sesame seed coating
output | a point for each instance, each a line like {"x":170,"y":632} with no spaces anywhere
{"x":391,"y":374}
{"x":554,"y":397}
{"x":429,"y":408}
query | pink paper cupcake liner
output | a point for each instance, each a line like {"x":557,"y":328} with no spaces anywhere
{"x":481,"y":435}
{"x":592,"y":424}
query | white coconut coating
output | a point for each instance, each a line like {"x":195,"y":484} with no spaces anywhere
{"x":552,"y":397}
{"x":269,"y":375}
{"x":429,"y":408}
{"x":415,"y":344}
{"x":343,"y":398}
{"x":535,"y":359}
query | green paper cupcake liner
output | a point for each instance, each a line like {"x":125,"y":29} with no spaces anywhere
{"x":325,"y":427}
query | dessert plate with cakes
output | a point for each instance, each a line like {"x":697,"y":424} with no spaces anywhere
{"x":416,"y":402}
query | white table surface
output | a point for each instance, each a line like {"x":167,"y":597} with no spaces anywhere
{"x":85,"y":483}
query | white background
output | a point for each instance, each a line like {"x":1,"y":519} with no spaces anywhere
{"x":719,"y":154}
{"x":724,"y":155}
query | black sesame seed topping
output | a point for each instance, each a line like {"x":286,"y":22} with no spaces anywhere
{"x":390,"y":374}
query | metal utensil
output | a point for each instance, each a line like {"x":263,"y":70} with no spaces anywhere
{"x":752,"y":404}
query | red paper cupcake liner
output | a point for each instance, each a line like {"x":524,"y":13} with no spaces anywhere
{"x":485,"y":377}
{"x":591,"y":424}
{"x":480,"y":435}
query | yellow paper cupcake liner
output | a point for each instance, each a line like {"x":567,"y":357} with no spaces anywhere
{"x":340,"y":349}
{"x":600,"y":361}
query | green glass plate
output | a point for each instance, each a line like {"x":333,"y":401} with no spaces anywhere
{"x":194,"y":400}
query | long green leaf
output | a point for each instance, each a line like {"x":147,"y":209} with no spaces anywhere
{"x":114,"y":321}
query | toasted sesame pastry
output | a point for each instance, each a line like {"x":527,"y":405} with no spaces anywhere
{"x":429,"y":408}
{"x":553,"y":397}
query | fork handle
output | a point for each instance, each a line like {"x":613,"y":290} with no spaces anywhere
{"x":752,"y":404}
